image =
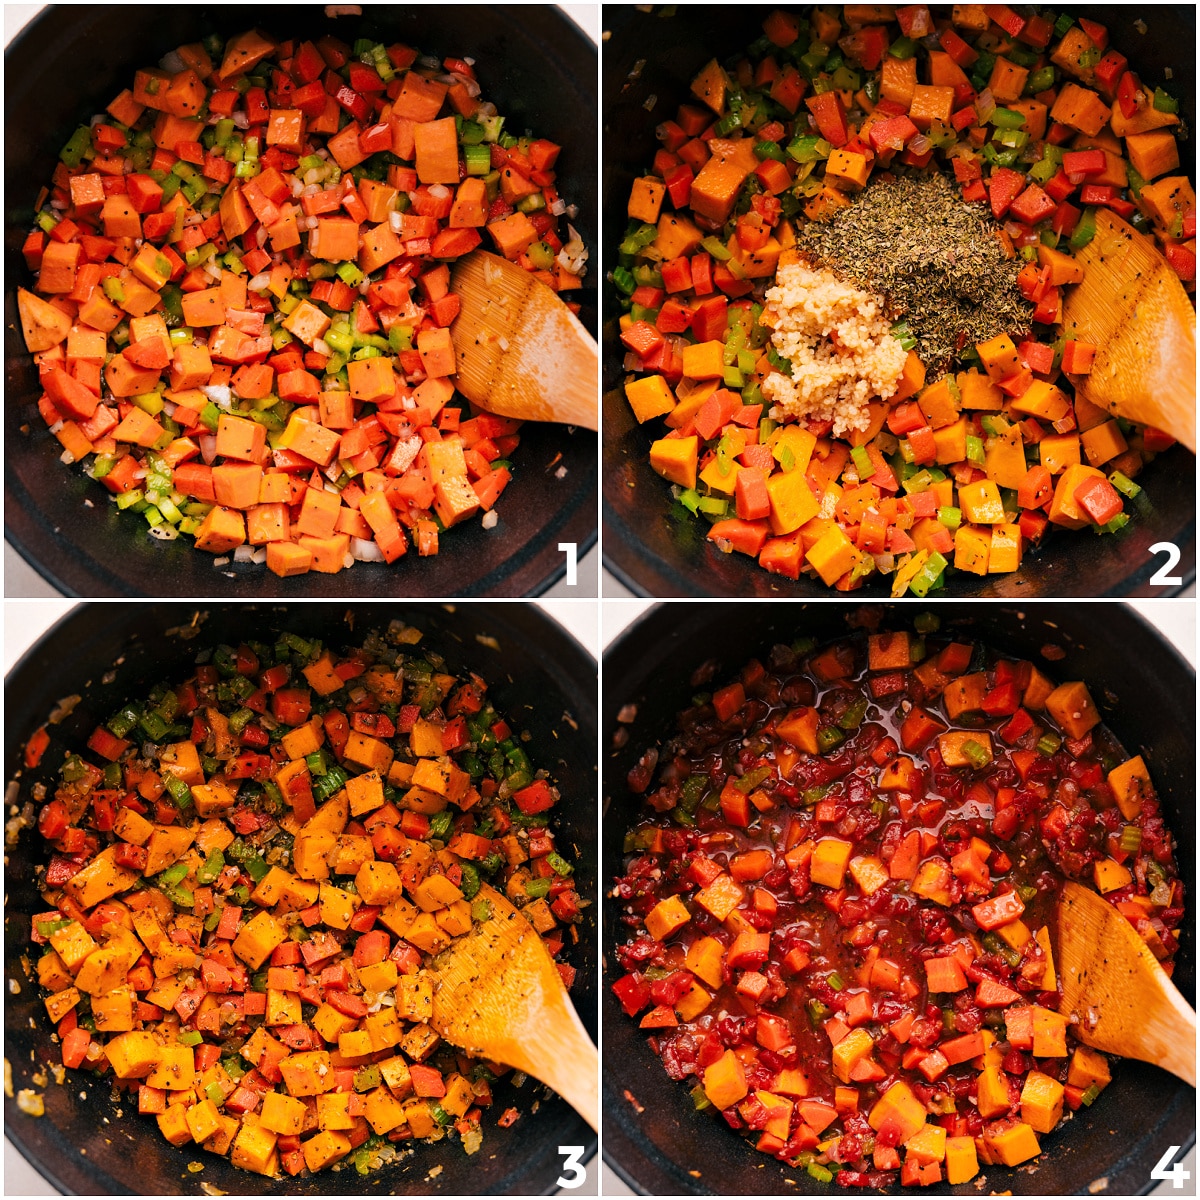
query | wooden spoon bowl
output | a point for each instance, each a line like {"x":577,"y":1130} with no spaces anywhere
{"x":497,"y":994}
{"x":1120,"y":999}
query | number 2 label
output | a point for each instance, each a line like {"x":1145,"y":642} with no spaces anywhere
{"x":1163,"y":577}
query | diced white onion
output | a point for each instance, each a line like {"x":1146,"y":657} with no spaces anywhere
{"x":490,"y":519}
{"x":558,"y":207}
{"x":985,"y":105}
{"x":260,"y":555}
{"x":172,"y":63}
{"x":321,"y":346}
{"x":56,"y":426}
{"x":223,"y":561}
{"x":439,"y":191}
{"x":365,"y":550}
{"x":240,"y":120}
{"x":394,"y":221}
{"x":219,"y":394}
{"x":259,"y":282}
{"x":920,"y":144}
{"x":243,"y":553}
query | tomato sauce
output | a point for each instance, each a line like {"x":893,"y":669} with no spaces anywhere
{"x":839,"y":892}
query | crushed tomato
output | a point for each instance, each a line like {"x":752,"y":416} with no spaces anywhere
{"x":839,"y":891}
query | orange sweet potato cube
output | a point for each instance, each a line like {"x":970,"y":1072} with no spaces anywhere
{"x":470,"y":204}
{"x":377,"y":198}
{"x":124,"y":379}
{"x":371,"y":379}
{"x":513,"y":234}
{"x":335,"y":239}
{"x":240,"y":438}
{"x":379,"y":246}
{"x":285,"y":129}
{"x":337,"y":410}
{"x":328,"y":554}
{"x":310,"y":439}
{"x":319,"y":513}
{"x":725,"y":1081}
{"x":437,"y":151}
{"x":60,"y":261}
{"x":222,"y":529}
{"x":275,"y":487}
{"x":203,"y":308}
{"x":87,"y":193}
{"x":931,"y":104}
{"x":437,"y":352}
{"x":236,"y":484}
{"x":190,"y":367}
{"x":138,"y":427}
{"x":120,"y":219}
{"x":236,"y":216}
{"x":267,"y":523}
{"x":286,"y":558}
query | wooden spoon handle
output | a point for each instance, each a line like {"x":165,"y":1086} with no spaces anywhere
{"x":1170,"y":1036}
{"x":565,"y":1059}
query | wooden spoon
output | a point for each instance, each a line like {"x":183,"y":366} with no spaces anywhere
{"x":521,"y":351}
{"x":1132,"y":306}
{"x":498,"y":995}
{"x":1124,"y":1001}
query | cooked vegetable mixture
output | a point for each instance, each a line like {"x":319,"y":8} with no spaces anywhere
{"x":242,"y":309}
{"x":838,"y":895}
{"x":948,"y":166}
{"x":249,"y":871}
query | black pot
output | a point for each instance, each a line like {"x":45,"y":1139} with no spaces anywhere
{"x":1146,"y":693}
{"x":538,"y":675}
{"x":656,"y":553}
{"x":540,"y":70}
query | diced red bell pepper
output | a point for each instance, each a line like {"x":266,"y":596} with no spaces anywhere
{"x":1048,"y":308}
{"x":1156,"y":440}
{"x":830,"y":115}
{"x":1009,"y":21}
{"x":893,"y":134}
{"x":642,"y":338}
{"x":1004,"y":186}
{"x":1037,"y":356}
{"x":1032,"y":206}
{"x":1109,"y":71}
{"x":710,"y":318}
{"x":1077,"y":357}
{"x":1098,"y":33}
{"x":1127,"y":94}
{"x":1015,"y":729}
{"x":1182,"y":260}
{"x":961,"y":52}
{"x":1038,"y":31}
{"x":1099,"y":499}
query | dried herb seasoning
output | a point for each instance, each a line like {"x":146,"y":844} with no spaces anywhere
{"x":938,"y":260}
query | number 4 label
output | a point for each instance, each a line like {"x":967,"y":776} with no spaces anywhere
{"x":572,"y":1156}
{"x":1162,"y":577}
{"x":1162,"y":1169}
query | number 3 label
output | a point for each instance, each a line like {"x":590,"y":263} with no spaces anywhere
{"x":1162,"y":1170}
{"x":1163,"y":577}
{"x":571,"y":1163}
